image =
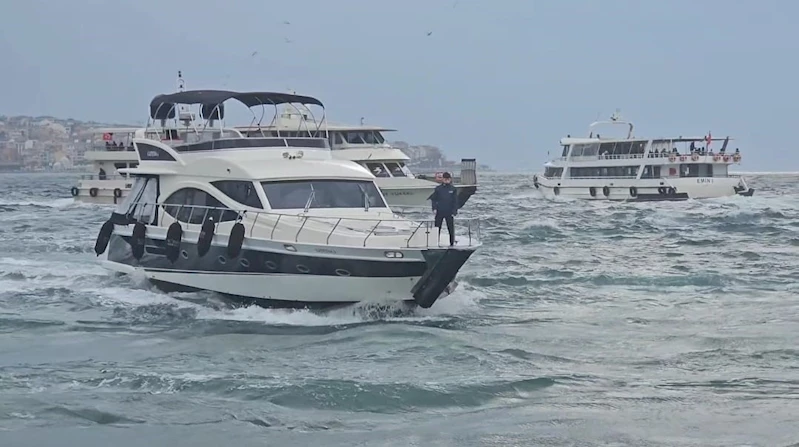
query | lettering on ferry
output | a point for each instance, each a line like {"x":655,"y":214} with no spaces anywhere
{"x":153,"y":154}
{"x":704,"y":180}
{"x":400,"y":193}
{"x":325,"y":250}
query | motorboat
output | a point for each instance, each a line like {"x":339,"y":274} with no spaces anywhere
{"x":274,"y":221}
{"x":366,"y":145}
{"x":630,"y":168}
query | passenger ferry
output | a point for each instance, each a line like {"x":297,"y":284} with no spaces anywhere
{"x":113,"y":151}
{"x":640,"y":169}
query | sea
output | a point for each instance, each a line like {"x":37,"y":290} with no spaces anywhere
{"x":575,"y":324}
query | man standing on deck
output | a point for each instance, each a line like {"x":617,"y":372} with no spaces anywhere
{"x":445,"y":205}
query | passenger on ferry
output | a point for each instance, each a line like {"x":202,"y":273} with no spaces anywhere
{"x":101,"y":175}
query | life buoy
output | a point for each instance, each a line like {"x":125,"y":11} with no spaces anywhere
{"x":556,"y":190}
{"x":206,"y":236}
{"x":103,"y":237}
{"x":93,"y":192}
{"x":671,"y":191}
{"x":695,"y":156}
{"x":235,"y":240}
{"x":137,"y":240}
{"x":606,"y":191}
{"x":726,"y":158}
{"x":173,"y":237}
{"x":75,"y":191}
{"x":661,"y":190}
{"x":117,"y":193}
{"x":736,"y":158}
{"x":682,"y":157}
{"x":716,"y":157}
{"x":672,"y":158}
{"x":592,"y":191}
{"x":633,"y":191}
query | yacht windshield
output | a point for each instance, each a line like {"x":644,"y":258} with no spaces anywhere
{"x":302,"y":194}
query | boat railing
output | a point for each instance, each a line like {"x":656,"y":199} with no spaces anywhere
{"x":106,"y":177}
{"x":314,"y":229}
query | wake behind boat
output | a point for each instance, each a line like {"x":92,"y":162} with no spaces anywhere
{"x":637,"y":169}
{"x":274,"y":221}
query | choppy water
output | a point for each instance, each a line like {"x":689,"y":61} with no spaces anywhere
{"x":576,"y":324}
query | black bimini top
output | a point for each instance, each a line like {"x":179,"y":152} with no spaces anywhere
{"x":163,"y":106}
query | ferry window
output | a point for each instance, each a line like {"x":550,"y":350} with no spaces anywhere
{"x":379,"y":138}
{"x":295,"y":194}
{"x":590,"y":150}
{"x":241,"y":191}
{"x":606,"y":148}
{"x":622,"y":148}
{"x":638,"y":147}
{"x":372,"y":138}
{"x":565,"y":150}
{"x":553,"y":172}
{"x":651,"y":172}
{"x":395,"y":169}
{"x":339,"y":139}
{"x":196,"y":204}
{"x":377,"y":169}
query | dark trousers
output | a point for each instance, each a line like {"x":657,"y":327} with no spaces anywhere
{"x":450,"y":220}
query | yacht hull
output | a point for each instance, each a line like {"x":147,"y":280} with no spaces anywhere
{"x":281,"y":279}
{"x":644,"y":190}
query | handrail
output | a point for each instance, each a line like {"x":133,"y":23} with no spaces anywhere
{"x":390,"y":233}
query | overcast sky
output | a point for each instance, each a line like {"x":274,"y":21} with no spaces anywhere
{"x":500,"y":80}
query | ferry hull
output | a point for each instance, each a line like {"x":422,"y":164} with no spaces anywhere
{"x":102,"y":192}
{"x":644,"y":190}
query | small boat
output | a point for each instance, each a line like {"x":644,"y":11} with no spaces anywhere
{"x":114,"y":151}
{"x":273,"y":221}
{"x":630,"y":168}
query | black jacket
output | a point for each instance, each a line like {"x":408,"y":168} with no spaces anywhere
{"x":445,"y":200}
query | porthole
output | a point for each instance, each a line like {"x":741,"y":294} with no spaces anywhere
{"x":302,"y":269}
{"x":245,"y":263}
{"x":184,"y":254}
{"x":342,"y":272}
{"x":270,"y":265}
{"x":222,"y":260}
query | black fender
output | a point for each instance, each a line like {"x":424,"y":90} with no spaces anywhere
{"x":235,"y":240}
{"x":103,"y":237}
{"x":206,"y":236}
{"x":173,"y":237}
{"x":137,"y":240}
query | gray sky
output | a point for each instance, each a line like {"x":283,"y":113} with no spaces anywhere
{"x":500,"y":80}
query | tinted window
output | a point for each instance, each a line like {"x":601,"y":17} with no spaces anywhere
{"x":240,"y":191}
{"x":326,"y":194}
{"x":191,"y":205}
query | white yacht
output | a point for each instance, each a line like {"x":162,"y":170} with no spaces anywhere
{"x":366,"y":146}
{"x":272,"y":221}
{"x":629,"y":168}
{"x":112,"y":152}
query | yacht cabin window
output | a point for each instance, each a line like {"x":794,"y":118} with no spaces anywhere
{"x":139,"y":204}
{"x":296,"y":194}
{"x":396,"y":169}
{"x":191,"y":205}
{"x":243,"y":192}
{"x":377,"y":169}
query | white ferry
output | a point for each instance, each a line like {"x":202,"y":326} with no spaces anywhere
{"x":366,"y":145}
{"x":105,"y":185}
{"x":640,"y":169}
